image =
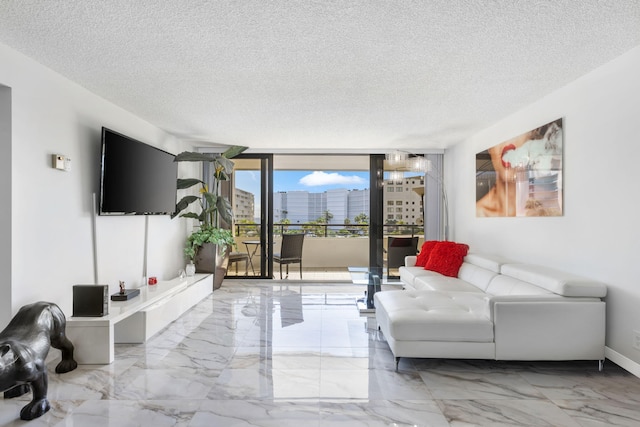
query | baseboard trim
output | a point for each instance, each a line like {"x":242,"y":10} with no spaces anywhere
{"x":622,"y":361}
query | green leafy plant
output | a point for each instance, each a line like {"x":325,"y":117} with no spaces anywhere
{"x":218,"y":236}
{"x":213,"y":206}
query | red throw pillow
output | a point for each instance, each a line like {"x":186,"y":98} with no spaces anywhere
{"x":425,"y":251}
{"x":446,"y":258}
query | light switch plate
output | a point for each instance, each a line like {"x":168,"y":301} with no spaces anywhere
{"x":61,"y":162}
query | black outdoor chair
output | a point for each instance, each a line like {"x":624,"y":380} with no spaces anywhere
{"x":237,"y":257}
{"x":397,"y":249}
{"x":290,"y":252}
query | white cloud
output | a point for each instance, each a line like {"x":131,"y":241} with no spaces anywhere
{"x":255,"y":177}
{"x":318,"y":178}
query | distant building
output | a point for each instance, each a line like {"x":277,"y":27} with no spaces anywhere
{"x":358,"y":203}
{"x":317,"y":206}
{"x":302,"y":206}
{"x":337,"y":205}
{"x":403,"y":200}
{"x":244,"y":205}
{"x":292,"y":205}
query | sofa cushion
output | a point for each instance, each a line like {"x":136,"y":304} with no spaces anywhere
{"x":447,"y":257}
{"x":488,"y":262}
{"x":435,"y":316}
{"x":556,"y":281}
{"x":507,"y":285}
{"x":443,"y":283}
{"x":425,"y":251}
{"x":408,"y":275}
{"x":479,"y":277}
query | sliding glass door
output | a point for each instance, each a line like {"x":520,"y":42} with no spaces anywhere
{"x":253,"y":216}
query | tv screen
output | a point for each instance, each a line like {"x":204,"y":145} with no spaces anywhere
{"x":136,"y":178}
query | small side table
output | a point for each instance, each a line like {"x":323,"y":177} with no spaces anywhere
{"x":252,"y":247}
{"x":373,"y":278}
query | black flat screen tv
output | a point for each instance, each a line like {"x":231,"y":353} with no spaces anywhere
{"x":136,"y":178}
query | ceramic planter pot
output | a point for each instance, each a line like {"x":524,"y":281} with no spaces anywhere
{"x":213,"y":259}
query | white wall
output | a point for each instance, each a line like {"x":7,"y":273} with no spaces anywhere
{"x":51,"y":210}
{"x":5,"y":206}
{"x":599,"y":234}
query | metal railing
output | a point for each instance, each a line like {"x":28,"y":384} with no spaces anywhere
{"x":330,"y":230}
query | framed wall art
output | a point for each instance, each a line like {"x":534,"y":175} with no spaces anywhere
{"x":523,"y":175}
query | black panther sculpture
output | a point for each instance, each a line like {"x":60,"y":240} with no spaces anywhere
{"x":24,"y":345}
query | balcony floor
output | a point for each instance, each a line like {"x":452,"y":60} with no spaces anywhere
{"x":324,"y":274}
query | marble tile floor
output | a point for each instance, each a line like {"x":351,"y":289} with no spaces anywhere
{"x":273,"y":354}
{"x":309,"y":274}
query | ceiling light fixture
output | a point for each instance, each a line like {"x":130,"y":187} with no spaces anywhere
{"x":396,"y":175}
{"x":399,"y":160}
{"x":419,"y":164}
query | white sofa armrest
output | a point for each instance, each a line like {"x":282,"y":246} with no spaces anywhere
{"x":410,"y":260}
{"x":561,"y":329}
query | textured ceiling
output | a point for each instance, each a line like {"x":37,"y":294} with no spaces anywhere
{"x":321,"y":74}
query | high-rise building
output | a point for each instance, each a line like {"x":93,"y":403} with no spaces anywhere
{"x":317,"y":206}
{"x":337,"y":205}
{"x":358,"y":203}
{"x":403,"y":200}
{"x":279,"y":206}
{"x":302,"y":206}
{"x":244,"y":205}
{"x":297,"y":206}
{"x":402,"y":203}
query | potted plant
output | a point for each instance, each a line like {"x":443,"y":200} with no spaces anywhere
{"x":208,"y":246}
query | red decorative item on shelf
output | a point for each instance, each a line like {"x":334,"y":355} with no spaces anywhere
{"x":153,"y":280}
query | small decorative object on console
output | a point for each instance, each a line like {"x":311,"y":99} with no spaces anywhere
{"x":191,"y":269}
{"x":24,"y":345}
{"x":153,"y":280}
{"x":125,"y":294}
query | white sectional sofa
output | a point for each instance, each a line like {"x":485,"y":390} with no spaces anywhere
{"x":494,"y":309}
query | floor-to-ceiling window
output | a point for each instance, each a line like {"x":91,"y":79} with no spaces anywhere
{"x":347,"y":206}
{"x":324,"y":197}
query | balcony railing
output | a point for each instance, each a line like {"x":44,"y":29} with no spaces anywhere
{"x":331,"y":230}
{"x":327,"y":247}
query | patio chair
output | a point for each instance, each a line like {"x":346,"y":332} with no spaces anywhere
{"x":237,"y":257}
{"x":397,"y":249}
{"x":290,"y":252}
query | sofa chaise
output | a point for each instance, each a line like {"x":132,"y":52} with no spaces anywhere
{"x":493,"y":309}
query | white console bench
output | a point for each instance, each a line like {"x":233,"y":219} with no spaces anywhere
{"x":136,"y":320}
